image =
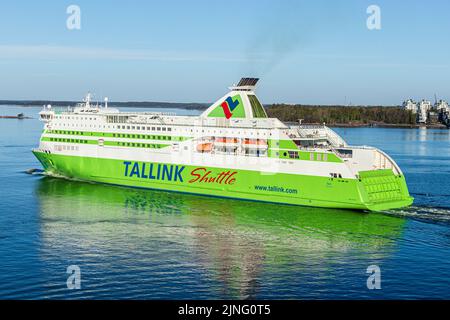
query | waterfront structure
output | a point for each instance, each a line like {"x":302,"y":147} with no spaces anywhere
{"x":422,"y":111}
{"x":442,"y":106}
{"x":231,"y":150}
{"x":410,"y":105}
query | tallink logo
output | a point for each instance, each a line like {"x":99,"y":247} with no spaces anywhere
{"x":153,"y":171}
{"x":228,"y":107}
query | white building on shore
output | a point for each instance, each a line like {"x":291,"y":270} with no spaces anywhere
{"x":442,"y":106}
{"x":410,"y":105}
{"x":422,"y":111}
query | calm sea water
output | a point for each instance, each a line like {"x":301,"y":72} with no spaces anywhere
{"x":132,"y":243}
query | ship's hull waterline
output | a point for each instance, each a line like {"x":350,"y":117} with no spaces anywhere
{"x":375,"y":190}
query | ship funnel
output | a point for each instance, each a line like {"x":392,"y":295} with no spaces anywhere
{"x":240,"y":102}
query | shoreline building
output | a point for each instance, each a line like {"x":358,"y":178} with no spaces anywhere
{"x":410,"y":105}
{"x":442,"y":106}
{"x":443,"y":111}
{"x":427,"y":113}
{"x":422,"y":111}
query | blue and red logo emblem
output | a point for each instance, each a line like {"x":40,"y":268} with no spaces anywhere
{"x":228,"y":107}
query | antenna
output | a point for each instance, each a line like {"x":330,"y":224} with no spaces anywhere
{"x":106,"y":102}
{"x":87,"y":100}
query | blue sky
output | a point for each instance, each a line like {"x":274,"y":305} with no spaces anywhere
{"x":190,"y":51}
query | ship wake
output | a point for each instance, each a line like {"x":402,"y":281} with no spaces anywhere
{"x":424,"y":213}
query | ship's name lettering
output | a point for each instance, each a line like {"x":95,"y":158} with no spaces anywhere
{"x":205,"y":175}
{"x":153,"y":171}
{"x":168,"y":172}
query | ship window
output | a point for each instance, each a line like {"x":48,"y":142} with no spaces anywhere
{"x":293,"y":155}
{"x":164,"y":129}
{"x":319,"y":157}
{"x":325,"y":157}
{"x":169,"y":129}
{"x":158,"y":128}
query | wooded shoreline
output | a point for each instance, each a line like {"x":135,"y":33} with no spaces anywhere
{"x":331,"y":115}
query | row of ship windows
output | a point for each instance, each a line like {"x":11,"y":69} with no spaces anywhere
{"x":141,"y":136}
{"x":118,"y":127}
{"x":139,"y":145}
{"x":127,"y":127}
{"x":75,"y":118}
{"x":116,"y":135}
{"x":234,"y":151}
{"x":65,"y":147}
{"x":69,"y":140}
{"x":295,"y":155}
{"x":76,"y":125}
{"x":263,"y":152}
{"x":144,"y":128}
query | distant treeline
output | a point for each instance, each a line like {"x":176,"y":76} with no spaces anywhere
{"x":341,"y":114}
{"x":284,"y":112}
{"x":137,"y":104}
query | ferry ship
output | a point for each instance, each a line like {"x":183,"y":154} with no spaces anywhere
{"x":232,"y":150}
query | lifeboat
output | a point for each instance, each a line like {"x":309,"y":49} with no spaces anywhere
{"x":255,"y":142}
{"x":205,"y":147}
{"x":226,"y":140}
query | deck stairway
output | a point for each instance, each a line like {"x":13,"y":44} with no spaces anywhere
{"x":321,"y":132}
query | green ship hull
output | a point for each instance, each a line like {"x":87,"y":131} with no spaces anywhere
{"x":375,"y":190}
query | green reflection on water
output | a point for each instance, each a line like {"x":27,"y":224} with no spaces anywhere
{"x":234,"y":241}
